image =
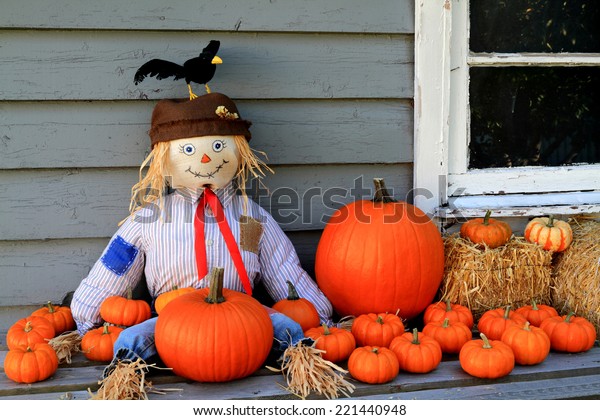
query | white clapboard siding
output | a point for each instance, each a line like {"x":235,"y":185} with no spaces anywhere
{"x":59,"y":134}
{"x":84,"y":203}
{"x":100,"y":65}
{"x":389,"y":16}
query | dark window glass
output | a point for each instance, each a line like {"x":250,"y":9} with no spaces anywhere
{"x":545,"y":26}
{"x":524,"y":116}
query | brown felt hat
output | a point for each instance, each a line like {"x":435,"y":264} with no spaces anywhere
{"x":208,"y":115}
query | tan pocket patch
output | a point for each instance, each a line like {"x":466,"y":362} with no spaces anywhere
{"x":250,"y":233}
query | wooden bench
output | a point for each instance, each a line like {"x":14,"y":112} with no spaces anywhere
{"x":560,"y":376}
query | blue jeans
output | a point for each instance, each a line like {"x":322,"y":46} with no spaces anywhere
{"x":138,"y":341}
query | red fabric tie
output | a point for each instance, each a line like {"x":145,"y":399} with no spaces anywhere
{"x":212,"y":200}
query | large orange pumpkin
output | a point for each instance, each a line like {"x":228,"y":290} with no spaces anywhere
{"x":380,"y":256}
{"x":214,"y":334}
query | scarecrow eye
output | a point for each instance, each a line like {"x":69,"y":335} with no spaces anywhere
{"x":218,"y":145}
{"x":188,"y":149}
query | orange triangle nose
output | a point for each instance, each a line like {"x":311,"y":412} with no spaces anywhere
{"x":205,"y":159}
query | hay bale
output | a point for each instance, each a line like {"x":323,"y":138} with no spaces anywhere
{"x":576,"y":283}
{"x":482,"y":278}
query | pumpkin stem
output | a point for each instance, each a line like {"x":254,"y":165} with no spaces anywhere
{"x":534,"y":305}
{"x":486,"y":218}
{"x":105,"y":329}
{"x":446,"y":323}
{"x":486,"y":342}
{"x":526,"y":326}
{"x":326,"y":329}
{"x":416,"y":336}
{"x":550,"y":221}
{"x":28,"y":327}
{"x":292,"y":293}
{"x":375,"y":350}
{"x":448,"y":305}
{"x":215,"y":291}
{"x":381,"y":193}
{"x":50,"y":307}
{"x":379,"y":320}
{"x":507,"y":312}
{"x":129,"y":293}
{"x":569,"y":315}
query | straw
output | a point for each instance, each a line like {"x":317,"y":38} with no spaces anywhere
{"x":576,"y":285}
{"x":481,"y":278}
{"x":65,"y":345}
{"x":306,"y":371}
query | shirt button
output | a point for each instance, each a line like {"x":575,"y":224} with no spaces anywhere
{"x":209,"y":242}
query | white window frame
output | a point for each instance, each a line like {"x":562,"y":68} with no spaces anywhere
{"x":444,"y":187}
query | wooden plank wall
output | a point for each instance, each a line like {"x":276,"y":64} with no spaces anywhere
{"x":328,"y":86}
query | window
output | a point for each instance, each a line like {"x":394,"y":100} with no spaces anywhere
{"x":507,"y":110}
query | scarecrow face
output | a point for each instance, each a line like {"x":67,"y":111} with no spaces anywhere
{"x":207,"y":161}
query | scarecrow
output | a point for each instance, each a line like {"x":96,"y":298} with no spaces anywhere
{"x":190,"y":213}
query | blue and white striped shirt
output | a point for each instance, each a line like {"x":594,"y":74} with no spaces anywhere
{"x":161,"y":245}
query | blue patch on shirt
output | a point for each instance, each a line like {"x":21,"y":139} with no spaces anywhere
{"x":119,"y":256}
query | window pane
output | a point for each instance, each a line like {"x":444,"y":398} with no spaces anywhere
{"x":523,"y":116}
{"x":535,"y":26}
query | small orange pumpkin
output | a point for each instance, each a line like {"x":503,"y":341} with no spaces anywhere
{"x":97,"y":344}
{"x":377,"y":330}
{"x":485,"y":358}
{"x":31,"y":364}
{"x":437,"y":312}
{"x":164,"y":298}
{"x":338,"y":343}
{"x":60,"y":317}
{"x":28,"y":331}
{"x":529,"y":344}
{"x":494,"y":322}
{"x":569,"y":333}
{"x":488,"y":231}
{"x":416,"y":352}
{"x":299,"y":309}
{"x":373,"y":365}
{"x":550,"y":234}
{"x":124,"y":311}
{"x":450,"y":335}
{"x":535,"y":313}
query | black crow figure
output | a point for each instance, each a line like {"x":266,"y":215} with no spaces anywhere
{"x":199,"y":69}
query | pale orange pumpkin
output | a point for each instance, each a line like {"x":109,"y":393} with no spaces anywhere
{"x":550,"y":234}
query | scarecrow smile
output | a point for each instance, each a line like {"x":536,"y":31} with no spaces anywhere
{"x":208,"y":175}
